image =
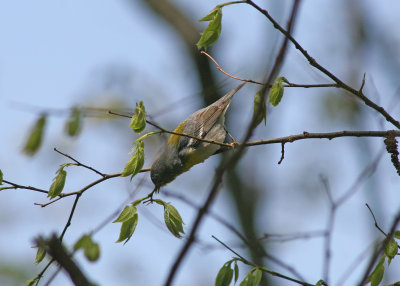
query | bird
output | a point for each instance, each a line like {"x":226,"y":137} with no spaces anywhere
{"x":180,"y":153}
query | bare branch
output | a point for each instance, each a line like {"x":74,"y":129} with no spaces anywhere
{"x":79,"y":163}
{"x":315,"y":64}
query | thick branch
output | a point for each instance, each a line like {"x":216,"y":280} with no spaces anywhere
{"x":57,"y":251}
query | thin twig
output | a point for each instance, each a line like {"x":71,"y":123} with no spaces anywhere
{"x":70,"y":216}
{"x":224,"y":72}
{"x":232,"y":228}
{"x":274,"y":273}
{"x":315,"y":64}
{"x":270,"y":85}
{"x":48,"y":203}
{"x":17,"y":186}
{"x":329,"y":229}
{"x":282,"y":153}
{"x":79,"y":163}
{"x":376,"y":223}
{"x":379,"y":250}
{"x":177,"y":133}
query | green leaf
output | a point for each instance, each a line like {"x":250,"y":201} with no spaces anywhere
{"x":224,"y":276}
{"x":377,"y":275}
{"x":276,"y":92}
{"x":35,"y":137}
{"x":257,"y":274}
{"x":90,"y":248}
{"x":1,"y":177}
{"x":252,"y":278}
{"x":127,"y":229}
{"x":396,"y":233}
{"x":58,"y":184}
{"x":213,"y":30}
{"x":73,"y":125}
{"x":259,"y":109}
{"x":136,"y":162}
{"x":127,"y":213}
{"x":211,"y":15}
{"x":82,"y":242}
{"x":236,"y":271}
{"x":391,"y":249}
{"x":245,"y":282}
{"x":173,"y":220}
{"x":138,"y":121}
{"x":92,"y":251}
{"x":40,"y":254}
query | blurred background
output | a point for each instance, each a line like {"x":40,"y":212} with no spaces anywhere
{"x":111,"y":54}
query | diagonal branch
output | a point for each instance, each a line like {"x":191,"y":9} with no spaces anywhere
{"x":79,"y":163}
{"x":359,"y":93}
{"x":229,"y":162}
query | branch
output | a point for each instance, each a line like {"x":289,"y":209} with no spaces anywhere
{"x":376,"y":223}
{"x":325,"y":135}
{"x":379,"y":250}
{"x":359,"y":93}
{"x":79,"y":163}
{"x":244,"y":260}
{"x":228,"y":163}
{"x":269,"y":85}
{"x":176,"y":133}
{"x":17,"y":186}
{"x":57,"y":251}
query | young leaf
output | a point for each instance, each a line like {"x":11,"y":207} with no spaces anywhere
{"x":259,"y":109}
{"x":224,"y":276}
{"x":377,"y":275}
{"x":276,"y":92}
{"x":58,"y":184}
{"x":74,"y":122}
{"x":90,"y":248}
{"x":236,"y":270}
{"x":136,"y":162}
{"x":92,"y":251}
{"x":35,"y":137}
{"x":396,"y":233}
{"x":40,"y":254}
{"x":138,"y":121}
{"x":82,"y":242}
{"x":127,"y":229}
{"x":173,"y":220}
{"x":1,"y":177}
{"x":391,"y":249}
{"x":211,"y":15}
{"x":257,"y":274}
{"x":127,"y":213}
{"x":213,"y":30}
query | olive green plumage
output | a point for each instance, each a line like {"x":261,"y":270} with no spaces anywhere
{"x":180,"y":153}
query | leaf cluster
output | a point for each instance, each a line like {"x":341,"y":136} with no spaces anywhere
{"x":390,"y":250}
{"x":228,"y":272}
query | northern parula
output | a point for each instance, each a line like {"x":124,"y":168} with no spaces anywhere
{"x":180,"y":153}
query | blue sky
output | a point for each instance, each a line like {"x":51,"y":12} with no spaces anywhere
{"x":56,"y":54}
